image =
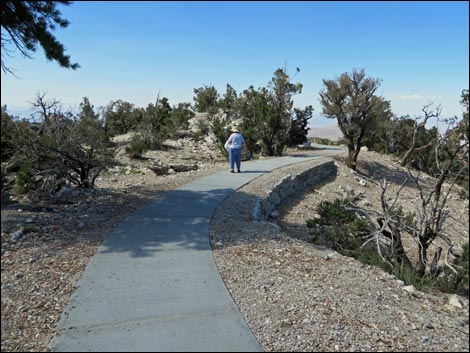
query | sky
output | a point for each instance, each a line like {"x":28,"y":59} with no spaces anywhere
{"x":134,"y":50}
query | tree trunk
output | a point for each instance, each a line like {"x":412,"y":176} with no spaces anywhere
{"x":420,"y":267}
{"x":352,"y":159}
{"x":351,"y":151}
{"x":84,"y":182}
{"x":405,"y":158}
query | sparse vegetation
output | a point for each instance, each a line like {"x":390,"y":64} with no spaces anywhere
{"x":62,"y":147}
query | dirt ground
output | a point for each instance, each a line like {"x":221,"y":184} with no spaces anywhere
{"x":46,"y":245}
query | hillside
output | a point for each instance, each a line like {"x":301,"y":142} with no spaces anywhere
{"x":297,"y":296}
{"x":46,"y":246}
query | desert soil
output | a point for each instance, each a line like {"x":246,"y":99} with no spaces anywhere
{"x":293,"y":295}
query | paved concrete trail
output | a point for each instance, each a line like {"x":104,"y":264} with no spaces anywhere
{"x":153,"y":284}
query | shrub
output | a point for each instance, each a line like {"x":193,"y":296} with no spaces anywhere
{"x":340,"y":229}
{"x":136,"y":149}
{"x":221,"y":130}
{"x":24,"y":179}
{"x":344,"y":231}
{"x":409,"y":276}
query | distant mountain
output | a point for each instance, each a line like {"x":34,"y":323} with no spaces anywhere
{"x":331,"y":132}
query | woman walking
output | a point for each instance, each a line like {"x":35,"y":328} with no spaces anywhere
{"x":234,"y":147}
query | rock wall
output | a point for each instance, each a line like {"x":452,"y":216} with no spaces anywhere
{"x":292,"y":184}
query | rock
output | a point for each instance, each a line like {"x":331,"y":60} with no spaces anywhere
{"x":367,"y":203}
{"x":273,"y":225}
{"x":16,"y":236}
{"x":455,"y":302}
{"x":429,"y":325}
{"x":331,"y":256}
{"x":67,"y":192}
{"x":457,"y":251}
{"x":409,"y":289}
{"x":274,"y":214}
{"x":6,"y":198}
{"x":362,"y":182}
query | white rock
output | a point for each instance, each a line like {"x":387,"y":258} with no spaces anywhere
{"x":331,"y":256}
{"x":455,"y":302}
{"x":409,"y":289}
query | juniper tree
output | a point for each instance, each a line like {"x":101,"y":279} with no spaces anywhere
{"x":351,"y":100}
{"x":206,"y":99}
{"x":25,"y":24}
{"x":278,"y":124}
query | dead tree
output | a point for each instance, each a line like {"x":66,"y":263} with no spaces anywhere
{"x":387,"y":236}
{"x":417,"y":128}
{"x":427,"y":224}
{"x":60,"y":148}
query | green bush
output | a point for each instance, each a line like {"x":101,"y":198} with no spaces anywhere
{"x":344,"y":231}
{"x":136,"y":149}
{"x":332,"y":213}
{"x":340,"y":229}
{"x":221,"y":130}
{"x":464,"y":190}
{"x":24,"y":179}
{"x":409,"y":277}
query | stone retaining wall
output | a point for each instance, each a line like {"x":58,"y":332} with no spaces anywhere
{"x":291,"y":184}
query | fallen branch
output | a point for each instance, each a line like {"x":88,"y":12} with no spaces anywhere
{"x":165,"y":169}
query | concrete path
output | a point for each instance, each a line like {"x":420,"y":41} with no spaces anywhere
{"x":153,"y":284}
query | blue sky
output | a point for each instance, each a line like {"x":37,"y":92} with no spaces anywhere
{"x":133,"y":50}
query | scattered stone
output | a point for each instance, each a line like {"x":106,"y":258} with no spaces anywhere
{"x":331,"y":256}
{"x":455,"y":302}
{"x":409,"y":289}
{"x":314,"y":295}
{"x":16,"y":236}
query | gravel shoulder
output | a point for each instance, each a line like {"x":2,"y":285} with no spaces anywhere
{"x":293,"y":295}
{"x":45,"y":246}
{"x":299,"y":297}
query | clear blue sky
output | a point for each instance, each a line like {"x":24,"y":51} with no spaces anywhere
{"x":133,"y":50}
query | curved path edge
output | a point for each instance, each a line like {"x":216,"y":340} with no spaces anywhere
{"x":153,"y":285}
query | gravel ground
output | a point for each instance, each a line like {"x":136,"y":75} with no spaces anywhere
{"x":47,"y":245}
{"x":299,"y":297}
{"x":293,"y":295}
